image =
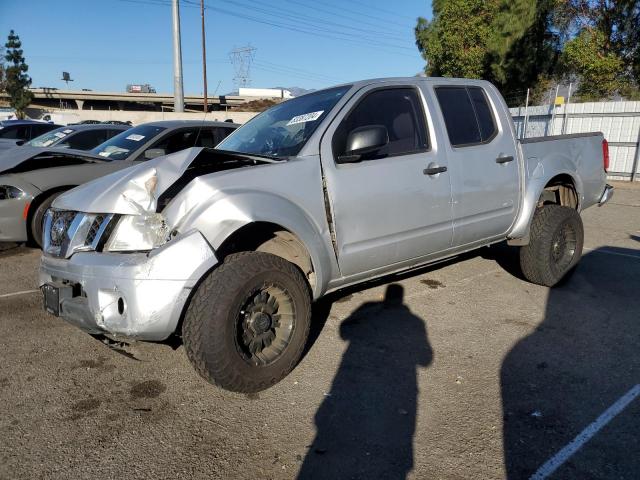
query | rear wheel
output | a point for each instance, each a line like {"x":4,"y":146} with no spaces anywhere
{"x":248,"y":321}
{"x":37,"y":219}
{"x":555,"y":247}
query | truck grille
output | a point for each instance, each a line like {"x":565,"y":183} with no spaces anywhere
{"x":94,"y":229}
{"x":67,"y":232}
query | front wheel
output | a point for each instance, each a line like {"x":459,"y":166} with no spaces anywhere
{"x":248,"y":321}
{"x":555,"y":247}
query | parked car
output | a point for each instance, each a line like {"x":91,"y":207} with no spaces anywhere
{"x":228,"y":247}
{"x":78,"y":137}
{"x":154,"y":139}
{"x":16,"y":132}
{"x":29,"y":184}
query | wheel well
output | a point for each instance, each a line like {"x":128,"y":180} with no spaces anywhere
{"x":269,"y":238}
{"x":37,"y":201}
{"x":560,"y":190}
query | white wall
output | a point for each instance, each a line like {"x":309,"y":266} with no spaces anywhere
{"x":619,"y":121}
{"x":137,"y":117}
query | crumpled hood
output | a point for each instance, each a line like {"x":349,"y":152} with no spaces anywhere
{"x":132,"y":191}
{"x":13,"y":157}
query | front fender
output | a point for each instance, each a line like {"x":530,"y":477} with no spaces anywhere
{"x":227,"y":211}
{"x":539,"y":172}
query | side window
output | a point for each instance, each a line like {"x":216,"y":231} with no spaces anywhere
{"x":206,"y":139}
{"x":399,"y":110}
{"x":37,"y":130}
{"x":86,"y":140}
{"x":111,"y":133}
{"x":467,"y":115}
{"x":18,"y":132}
{"x":483,"y":111}
{"x":220,"y":133}
{"x":177,"y":141}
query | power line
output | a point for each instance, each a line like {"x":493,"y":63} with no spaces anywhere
{"x":341,"y":11}
{"x":389,"y":12}
{"x":379,"y":47}
{"x":314,"y":20}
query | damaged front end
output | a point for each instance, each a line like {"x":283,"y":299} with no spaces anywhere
{"x":112,"y":264}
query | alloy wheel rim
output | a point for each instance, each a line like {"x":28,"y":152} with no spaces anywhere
{"x":265,"y":325}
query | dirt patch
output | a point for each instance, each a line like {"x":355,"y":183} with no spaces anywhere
{"x":432,"y":284}
{"x":148,"y":389}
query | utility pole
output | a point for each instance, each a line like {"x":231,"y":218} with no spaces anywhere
{"x":204,"y":57}
{"x":178,"y":92}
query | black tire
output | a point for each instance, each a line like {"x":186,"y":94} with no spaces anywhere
{"x":220,"y":340}
{"x":555,"y":246}
{"x":37,"y":220}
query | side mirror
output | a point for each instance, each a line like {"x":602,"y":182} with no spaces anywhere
{"x":20,"y":142}
{"x":364,"y":140}
{"x":154,"y":152}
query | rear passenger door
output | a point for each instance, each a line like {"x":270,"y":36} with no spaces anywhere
{"x":386,"y":208}
{"x":482,"y":163}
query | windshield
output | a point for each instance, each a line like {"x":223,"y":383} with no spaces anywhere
{"x":51,"y":138}
{"x":283,"y":130}
{"x":127,"y":142}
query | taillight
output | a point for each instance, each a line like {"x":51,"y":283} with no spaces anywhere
{"x":605,"y":154}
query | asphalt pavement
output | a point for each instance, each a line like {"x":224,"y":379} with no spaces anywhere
{"x":460,"y":370}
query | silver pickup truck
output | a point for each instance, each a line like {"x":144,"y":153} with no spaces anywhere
{"x":228,"y":247}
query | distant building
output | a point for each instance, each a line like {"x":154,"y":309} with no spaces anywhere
{"x":265,"y":92}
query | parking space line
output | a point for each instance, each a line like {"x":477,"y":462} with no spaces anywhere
{"x":24,"y":292}
{"x":583,"y":437}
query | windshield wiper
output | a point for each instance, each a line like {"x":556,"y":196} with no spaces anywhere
{"x":254,"y":156}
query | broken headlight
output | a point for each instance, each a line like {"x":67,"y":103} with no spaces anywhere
{"x":138,"y":233}
{"x":7,"y":192}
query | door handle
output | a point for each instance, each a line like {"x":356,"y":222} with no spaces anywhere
{"x":504,"y":159}
{"x":434,"y":170}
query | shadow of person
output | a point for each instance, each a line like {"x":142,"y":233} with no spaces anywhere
{"x":366,"y":423}
{"x":579,"y":361}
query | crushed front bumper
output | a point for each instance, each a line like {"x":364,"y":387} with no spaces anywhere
{"x":135,"y":295}
{"x":606,"y":195}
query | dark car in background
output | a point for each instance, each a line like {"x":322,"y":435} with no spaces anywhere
{"x":154,"y":139}
{"x":78,"y":137}
{"x":16,"y":132}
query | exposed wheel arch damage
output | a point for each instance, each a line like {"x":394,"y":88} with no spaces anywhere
{"x":560,"y":190}
{"x":270,"y":238}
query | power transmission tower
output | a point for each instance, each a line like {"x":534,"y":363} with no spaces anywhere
{"x":241,"y":58}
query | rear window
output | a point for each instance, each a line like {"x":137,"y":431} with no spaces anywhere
{"x":467,"y":115}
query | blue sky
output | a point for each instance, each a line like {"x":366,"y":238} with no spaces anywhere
{"x":106,"y":44}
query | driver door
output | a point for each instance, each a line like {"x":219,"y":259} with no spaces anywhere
{"x":387,"y":210}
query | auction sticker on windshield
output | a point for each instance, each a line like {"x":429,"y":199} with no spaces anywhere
{"x":307,"y":117}
{"x":60,"y":134}
{"x":135,"y":137}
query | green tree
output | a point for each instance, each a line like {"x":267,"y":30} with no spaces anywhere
{"x":508,"y":42}
{"x":599,"y":69}
{"x":455,"y":43}
{"x":2,"y":70}
{"x":610,"y":30}
{"x":17,"y":81}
